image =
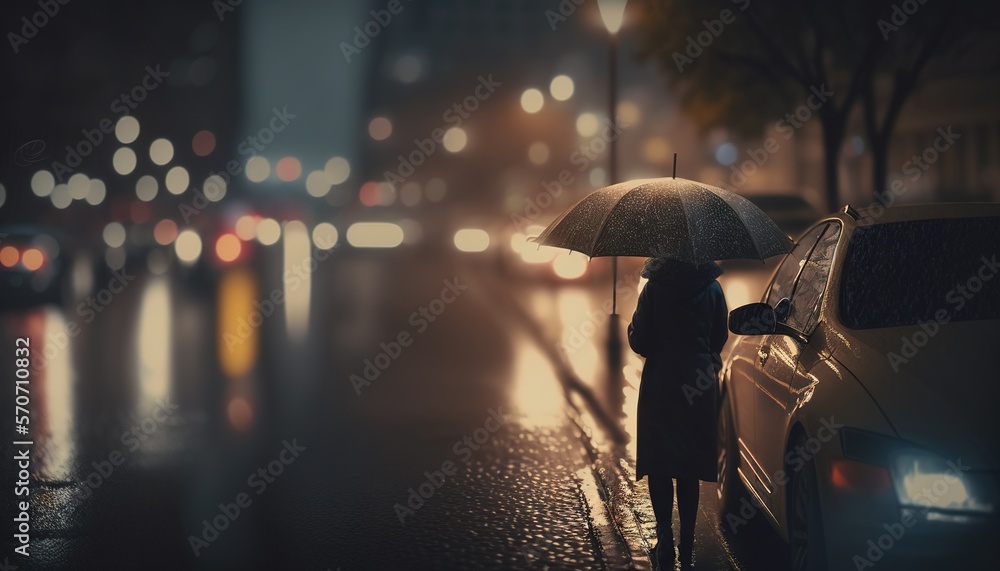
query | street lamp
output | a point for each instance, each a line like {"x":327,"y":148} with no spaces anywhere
{"x":613,"y":15}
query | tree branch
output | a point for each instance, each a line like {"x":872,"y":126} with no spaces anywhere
{"x":775,"y":52}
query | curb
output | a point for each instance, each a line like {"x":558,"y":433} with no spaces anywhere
{"x":617,"y":486}
{"x":625,"y":536}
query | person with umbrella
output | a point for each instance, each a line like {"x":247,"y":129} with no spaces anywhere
{"x":680,"y":321}
{"x":679,"y":326}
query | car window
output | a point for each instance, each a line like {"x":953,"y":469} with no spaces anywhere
{"x":908,"y":273}
{"x":808,"y":291}
{"x":784,"y":278}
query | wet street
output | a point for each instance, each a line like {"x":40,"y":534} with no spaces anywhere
{"x":361,"y":421}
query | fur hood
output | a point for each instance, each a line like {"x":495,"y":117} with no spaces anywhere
{"x":681,"y":277}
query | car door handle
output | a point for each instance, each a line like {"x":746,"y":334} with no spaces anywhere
{"x":763,"y":353}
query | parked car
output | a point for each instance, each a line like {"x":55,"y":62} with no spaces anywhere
{"x":33,"y":268}
{"x":858,"y":408}
{"x":790,"y":212}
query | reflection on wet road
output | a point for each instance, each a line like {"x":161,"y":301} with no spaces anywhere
{"x":159,"y":418}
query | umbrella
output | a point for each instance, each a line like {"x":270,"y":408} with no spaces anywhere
{"x":671,"y":218}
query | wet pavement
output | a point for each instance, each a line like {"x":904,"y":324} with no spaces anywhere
{"x":160,"y":445}
{"x":431,"y":424}
{"x":571,"y":319}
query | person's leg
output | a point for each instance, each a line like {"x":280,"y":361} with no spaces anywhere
{"x":661,"y":495}
{"x":687,"y":509}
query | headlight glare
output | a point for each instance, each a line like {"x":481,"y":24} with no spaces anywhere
{"x":927,"y":481}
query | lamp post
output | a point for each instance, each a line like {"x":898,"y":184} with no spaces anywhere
{"x":613,"y":15}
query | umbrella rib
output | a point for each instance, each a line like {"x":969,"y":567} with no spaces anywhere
{"x":687,"y":222}
{"x":604,"y":223}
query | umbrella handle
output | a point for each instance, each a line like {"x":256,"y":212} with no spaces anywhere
{"x":614,"y":285}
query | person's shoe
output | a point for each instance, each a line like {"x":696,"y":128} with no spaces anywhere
{"x":685,"y":548}
{"x":664,"y":551}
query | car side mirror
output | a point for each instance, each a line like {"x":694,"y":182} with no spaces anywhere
{"x":782,"y":309}
{"x":752,"y":319}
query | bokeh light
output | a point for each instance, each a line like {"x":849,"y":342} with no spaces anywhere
{"x":561,"y":87}
{"x":435,"y":189}
{"x":628,"y":112}
{"x":455,"y":139}
{"x":598,"y":177}
{"x":409,"y":195}
{"x":374,"y":235}
{"x":288,"y":169}
{"x":518,"y":242}
{"x":538,"y":153}
{"x":42,"y":183}
{"x":161,"y":151}
{"x":203,"y":143}
{"x":726,"y":154}
{"x":318,"y":184}
{"x":339,"y":169}
{"x":127,"y":129}
{"x":325,"y":236}
{"x":268,"y":231}
{"x":79,"y":186}
{"x":380,"y":128}
{"x":569,"y":265}
{"x":587,"y":124}
{"x":258,"y":169}
{"x":214,"y":188}
{"x":60,"y":196}
{"x":472,"y":240}
{"x":535,"y":254}
{"x":376,"y":194}
{"x":9,"y":256}
{"x":532,"y":100}
{"x":165,"y":232}
{"x":368,"y":194}
{"x":139,"y":213}
{"x":246,"y":227}
{"x":114,"y":234}
{"x":187,"y":246}
{"x":177,"y":180}
{"x":97,"y":192}
{"x":124,"y":161}
{"x":228,"y":247}
{"x":32,"y":259}
{"x":146,"y":188}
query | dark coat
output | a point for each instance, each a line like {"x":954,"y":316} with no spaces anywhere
{"x":679,"y":326}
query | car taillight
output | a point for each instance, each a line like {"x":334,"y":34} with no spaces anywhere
{"x":851,"y":475}
{"x":9,"y":256}
{"x":32,"y":259}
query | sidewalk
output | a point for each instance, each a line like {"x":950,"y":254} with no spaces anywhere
{"x":626,"y":502}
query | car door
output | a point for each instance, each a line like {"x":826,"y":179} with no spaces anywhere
{"x":745,"y":367}
{"x":778,"y":367}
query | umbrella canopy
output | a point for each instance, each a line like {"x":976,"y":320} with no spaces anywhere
{"x":671,"y":218}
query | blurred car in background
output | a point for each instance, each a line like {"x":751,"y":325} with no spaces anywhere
{"x":34,"y":268}
{"x":543,"y":263}
{"x":858,"y":403}
{"x":790,"y":212}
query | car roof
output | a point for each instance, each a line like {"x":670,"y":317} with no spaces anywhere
{"x":883,"y":215}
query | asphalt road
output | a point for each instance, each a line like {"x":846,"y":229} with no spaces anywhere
{"x":391,"y":410}
{"x":385,"y":415}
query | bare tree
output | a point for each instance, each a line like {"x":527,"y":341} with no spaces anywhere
{"x":738,"y":64}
